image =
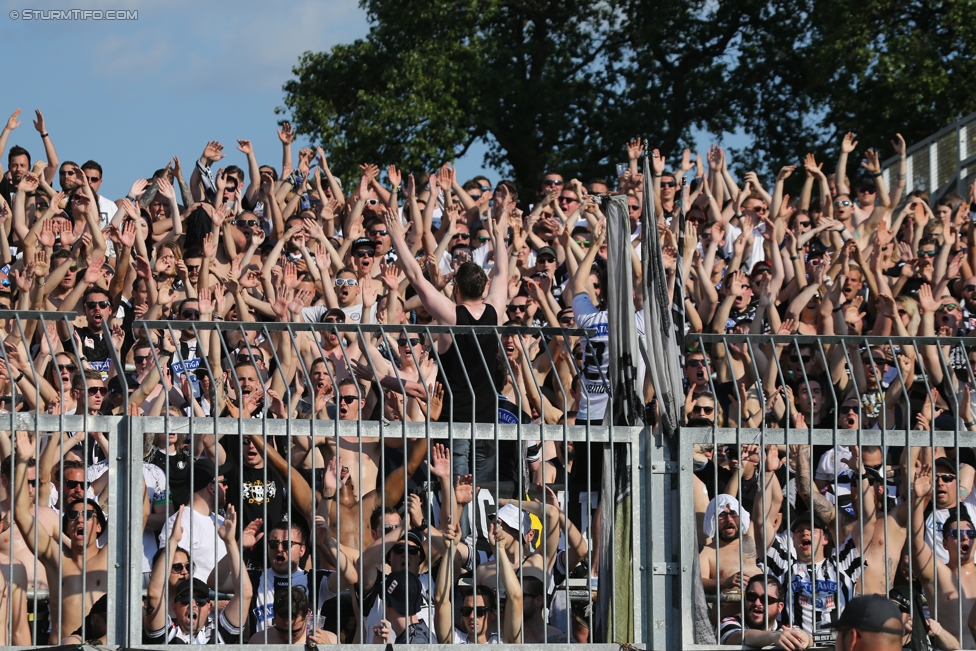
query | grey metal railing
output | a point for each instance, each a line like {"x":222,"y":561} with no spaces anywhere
{"x":941,"y":163}
{"x":221,"y":377}
{"x":863,"y":374}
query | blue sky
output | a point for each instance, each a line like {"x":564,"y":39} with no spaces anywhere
{"x":133,"y":94}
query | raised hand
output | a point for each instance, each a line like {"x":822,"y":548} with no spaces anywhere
{"x":138,"y":189}
{"x":899,"y":145}
{"x":658,"y":162}
{"x":213,"y":152}
{"x":228,"y":528}
{"x":848,"y":144}
{"x":922,"y":486}
{"x":871,"y":163}
{"x":393,"y":174}
{"x":28,"y":183}
{"x":286,"y":135}
{"x":39,"y":122}
{"x":635,"y":148}
{"x":12,"y":122}
{"x":440,"y":462}
{"x":785,"y":172}
{"x":165,"y":188}
{"x":176,"y":533}
{"x":244,"y":146}
{"x":926,"y":301}
{"x":464,"y":489}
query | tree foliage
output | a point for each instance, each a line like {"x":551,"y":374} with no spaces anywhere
{"x":564,"y":84}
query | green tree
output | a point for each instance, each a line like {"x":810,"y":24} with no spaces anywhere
{"x":563,"y":85}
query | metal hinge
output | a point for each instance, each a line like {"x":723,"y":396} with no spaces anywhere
{"x":664,"y":568}
{"x":664,"y":467}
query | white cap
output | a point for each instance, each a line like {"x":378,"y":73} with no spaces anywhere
{"x":515,"y":518}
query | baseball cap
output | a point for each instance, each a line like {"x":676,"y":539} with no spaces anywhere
{"x":191,"y":585}
{"x":409,"y":538}
{"x":946,"y":463}
{"x":759,"y":267}
{"x":870,"y":613}
{"x":204,"y":471}
{"x":403,"y":592}
{"x":339,"y":315}
{"x":546,"y":250}
{"x":363,"y":243}
{"x":806,"y":518}
{"x":515,"y":518}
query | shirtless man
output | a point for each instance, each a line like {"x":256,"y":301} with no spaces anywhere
{"x":736,"y":534}
{"x":880,"y":555}
{"x":351,"y":401}
{"x":80,"y":561}
{"x":48,"y":518}
{"x":957,"y":578}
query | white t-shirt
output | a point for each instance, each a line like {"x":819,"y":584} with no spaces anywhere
{"x":479,"y":256}
{"x":106,"y":210}
{"x":354,"y":313}
{"x":596,"y":362}
{"x":205,"y":541}
{"x":756,"y":255}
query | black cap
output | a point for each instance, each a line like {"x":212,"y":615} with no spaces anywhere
{"x":873,"y":474}
{"x":900,"y":595}
{"x":192,"y":586}
{"x":363,"y":243}
{"x":946,"y":463}
{"x":334,"y":312}
{"x":807,"y":517}
{"x":204,"y":472}
{"x":546,"y":250}
{"x":869,"y":613}
{"x":400,"y":586}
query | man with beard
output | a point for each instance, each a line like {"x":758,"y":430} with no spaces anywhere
{"x":192,"y":606}
{"x":733,"y":532}
{"x":819,"y":586}
{"x":761,"y":626}
{"x":203,"y":519}
{"x":956,"y":577}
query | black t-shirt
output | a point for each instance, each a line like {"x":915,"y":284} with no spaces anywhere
{"x":178,"y":480}
{"x":94,"y":347}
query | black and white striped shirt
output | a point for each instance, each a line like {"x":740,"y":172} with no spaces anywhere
{"x":835,"y":578}
{"x":222,"y":633}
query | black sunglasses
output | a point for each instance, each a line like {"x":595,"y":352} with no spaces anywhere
{"x":753,"y":596}
{"x":467,"y":610}
{"x":348,"y":399}
{"x":191,"y":315}
{"x":402,"y":341}
{"x":286,"y":544}
{"x":91,"y":305}
{"x":74,"y":515}
{"x":179,"y":568}
{"x":198,"y":600}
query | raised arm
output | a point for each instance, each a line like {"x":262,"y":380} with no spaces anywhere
{"x":49,"y":151}
{"x":437,"y":305}
{"x":241,"y":580}
{"x":847,"y":145}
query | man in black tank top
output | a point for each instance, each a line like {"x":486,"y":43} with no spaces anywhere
{"x":468,"y":361}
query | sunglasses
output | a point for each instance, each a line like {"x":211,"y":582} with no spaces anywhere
{"x":97,"y":391}
{"x":475,"y":196}
{"x":804,"y":224}
{"x":566,"y":320}
{"x":926,"y":254}
{"x":880,"y":363}
{"x":669,"y":184}
{"x":179,"y":568}
{"x":948,"y":307}
{"x":387,"y":528}
{"x":969,"y":288}
{"x":519,"y":308}
{"x":695,"y":363}
{"x":286,"y":544}
{"x":352,"y":282}
{"x":139,"y":359}
{"x":348,"y":399}
{"x":946,"y":478}
{"x":333,"y":319}
{"x":703,"y":409}
{"x":484,"y":188}
{"x":568,"y":200}
{"x":583,"y":242}
{"x":246,"y":222}
{"x":753,"y":596}
{"x":483,"y":238}
{"x":377,"y":233}
{"x":199,"y":601}
{"x":845,"y":203}
{"x":461,"y":255}
{"x":847,"y":409}
{"x":402,"y":341}
{"x":363,"y":253}
{"x":413,"y":550}
{"x":91,"y":305}
{"x":74,"y":515}
{"x":967,"y":534}
{"x":193,"y":267}
{"x":866,"y":190}
{"x":71,"y":368}
{"x":93,"y":179}
{"x":806,"y":358}
{"x":546,"y":260}
{"x":552,"y":182}
{"x":71,"y":485}
{"x":32,"y":483}
{"x":372,"y":202}
{"x":190,"y":314}
{"x":462,"y":236}
{"x":467,"y":610}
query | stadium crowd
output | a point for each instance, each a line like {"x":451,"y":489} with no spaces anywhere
{"x":325,"y":538}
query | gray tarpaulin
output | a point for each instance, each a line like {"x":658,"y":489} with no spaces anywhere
{"x":660,"y":345}
{"x":663,"y":332}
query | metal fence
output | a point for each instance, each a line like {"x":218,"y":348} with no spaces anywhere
{"x":884,"y":429}
{"x":575,"y":487}
{"x":944,"y":162}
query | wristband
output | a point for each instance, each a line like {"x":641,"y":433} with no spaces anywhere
{"x":877,"y":174}
{"x":838,"y":308}
{"x":45,"y":135}
{"x":970,"y":423}
{"x":18,"y":378}
{"x":217,"y":318}
{"x":794,"y":257}
{"x":130,"y":198}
